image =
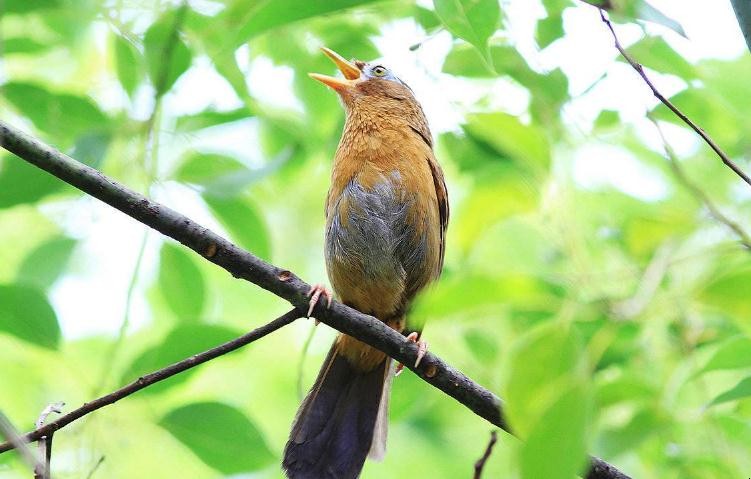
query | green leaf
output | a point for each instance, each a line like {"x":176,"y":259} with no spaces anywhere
{"x":607,"y":119}
{"x":22,"y":45}
{"x":464,"y":60}
{"x":735,"y":353}
{"x":128,"y":64}
{"x":474,"y":21}
{"x":730,"y":293}
{"x":181,"y":283}
{"x":549,"y":29}
{"x":43,"y":265}
{"x":739,"y":391}
{"x":26,"y":314}
{"x":620,"y":440}
{"x":243,"y":221}
{"x":220,"y":435}
{"x":267,"y":15}
{"x":544,"y":366}
{"x":206,"y":168}
{"x":645,"y":11}
{"x":167,"y":56}
{"x":557,"y":445}
{"x":59,"y":114}
{"x":26,"y":6}
{"x":21,"y":182}
{"x":480,"y":345}
{"x":526,"y":145}
{"x":655,"y":53}
{"x":182,"y":342}
{"x":209,"y":118}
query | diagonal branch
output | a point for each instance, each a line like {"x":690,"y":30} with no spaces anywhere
{"x":281,"y":282}
{"x":155,"y":377}
{"x":640,"y":70}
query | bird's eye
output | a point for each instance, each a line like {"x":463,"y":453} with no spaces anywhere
{"x":379,"y":71}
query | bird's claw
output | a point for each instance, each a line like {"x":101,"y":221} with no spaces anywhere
{"x":314,"y":294}
{"x":422,"y":348}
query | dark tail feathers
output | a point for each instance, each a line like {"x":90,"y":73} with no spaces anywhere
{"x":334,"y":427}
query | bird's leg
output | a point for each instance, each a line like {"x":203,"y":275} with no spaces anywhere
{"x":314,"y":294}
{"x":422,"y":348}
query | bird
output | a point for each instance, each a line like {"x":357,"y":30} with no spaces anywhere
{"x":386,"y":212}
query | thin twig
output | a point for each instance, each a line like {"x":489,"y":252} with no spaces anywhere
{"x":281,"y":282}
{"x":480,"y":464}
{"x":96,"y":466}
{"x":42,"y":469}
{"x":155,"y":377}
{"x":640,"y":70}
{"x":697,"y":192}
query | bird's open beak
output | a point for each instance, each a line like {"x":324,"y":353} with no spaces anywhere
{"x":350,"y":71}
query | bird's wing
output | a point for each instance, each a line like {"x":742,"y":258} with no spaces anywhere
{"x":441,"y":194}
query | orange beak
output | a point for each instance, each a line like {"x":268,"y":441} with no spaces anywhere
{"x":350,"y":71}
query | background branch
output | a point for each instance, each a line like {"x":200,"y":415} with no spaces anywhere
{"x":697,"y":192}
{"x":154,"y":377}
{"x":640,"y":70}
{"x":281,"y":282}
{"x":480,"y":464}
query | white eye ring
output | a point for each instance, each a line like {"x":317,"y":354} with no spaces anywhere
{"x":379,"y":71}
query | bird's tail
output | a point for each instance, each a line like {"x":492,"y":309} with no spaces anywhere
{"x":342,"y":418}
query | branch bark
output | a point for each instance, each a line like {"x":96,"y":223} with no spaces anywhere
{"x":281,"y":282}
{"x":640,"y":70}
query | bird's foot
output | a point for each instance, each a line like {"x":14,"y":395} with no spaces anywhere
{"x":422,"y":348}
{"x":315,"y":293}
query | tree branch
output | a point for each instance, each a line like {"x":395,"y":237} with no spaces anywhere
{"x":154,"y":377}
{"x":281,"y":282}
{"x":640,"y":70}
{"x":480,"y":464}
{"x":697,"y":192}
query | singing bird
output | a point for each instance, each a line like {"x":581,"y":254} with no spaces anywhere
{"x":386,"y":217}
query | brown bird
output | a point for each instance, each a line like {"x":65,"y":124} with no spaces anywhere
{"x":386,"y":217}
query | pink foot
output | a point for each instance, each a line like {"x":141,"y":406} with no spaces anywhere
{"x":314,"y":294}
{"x":422,"y":348}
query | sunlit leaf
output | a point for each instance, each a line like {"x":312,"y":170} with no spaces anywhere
{"x":741,"y":390}
{"x":267,"y":15}
{"x":26,"y":314}
{"x":243,"y":221}
{"x":734,"y":353}
{"x":220,"y":435}
{"x":167,"y":55}
{"x":128,"y":64}
{"x":474,"y":21}
{"x":181,"y":283}
{"x":206,"y":168}
{"x":182,"y":342}
{"x":655,"y":53}
{"x":730,"y":292}
{"x":549,"y":29}
{"x":209,"y":118}
{"x":43,"y":265}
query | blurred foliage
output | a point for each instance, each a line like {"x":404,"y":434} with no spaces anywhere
{"x":611,"y":322}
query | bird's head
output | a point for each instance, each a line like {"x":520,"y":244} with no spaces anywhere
{"x":368,"y":86}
